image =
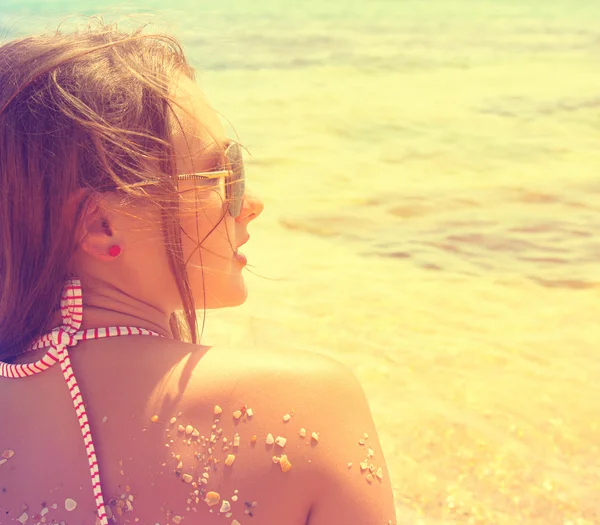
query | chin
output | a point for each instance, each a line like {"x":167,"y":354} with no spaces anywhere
{"x":236,"y":296}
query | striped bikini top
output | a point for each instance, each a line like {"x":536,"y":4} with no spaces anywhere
{"x":57,"y":342}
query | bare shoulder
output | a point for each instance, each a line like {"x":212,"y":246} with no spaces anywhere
{"x":202,"y":435}
{"x":291,"y":432}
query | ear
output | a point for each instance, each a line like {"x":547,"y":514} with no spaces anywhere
{"x":97,"y":233}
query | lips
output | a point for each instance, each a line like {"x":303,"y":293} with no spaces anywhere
{"x":240,"y":257}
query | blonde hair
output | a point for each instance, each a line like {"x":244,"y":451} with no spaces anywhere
{"x":89,"y":109}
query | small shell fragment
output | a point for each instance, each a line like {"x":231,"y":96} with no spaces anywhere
{"x":177,"y":519}
{"x":172,"y":420}
{"x":212,"y":498}
{"x":284,"y":463}
{"x":371,"y":453}
{"x":286,"y":418}
{"x":8,"y":453}
{"x":234,"y":498}
{"x":180,"y":428}
{"x":225,"y":506}
{"x":2,"y":461}
{"x":364,"y":466}
{"x":154,"y":419}
{"x":235,"y":522}
{"x":230,"y":459}
{"x":187,"y":478}
{"x":281,"y":441}
{"x":23,"y":517}
{"x":302,"y":432}
{"x":379,"y":473}
{"x":237,"y":414}
{"x":270,"y":439}
{"x":369,"y":478}
{"x":236,"y":440}
{"x":195,"y":433}
{"x":70,"y":504}
{"x":189,"y":429}
{"x":217,"y":410}
{"x":315,"y":436}
{"x":249,"y":413}
{"x":349,"y":465}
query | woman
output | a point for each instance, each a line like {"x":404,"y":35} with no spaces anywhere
{"x":122,"y":209}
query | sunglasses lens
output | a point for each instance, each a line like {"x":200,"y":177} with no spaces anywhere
{"x":236,"y":185}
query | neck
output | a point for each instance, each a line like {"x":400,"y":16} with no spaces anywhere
{"x":100,"y":317}
{"x":104,"y":307}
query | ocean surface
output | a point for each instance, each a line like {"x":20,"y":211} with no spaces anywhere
{"x":431,"y":179}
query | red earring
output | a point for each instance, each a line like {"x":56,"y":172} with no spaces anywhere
{"x":114,"y":250}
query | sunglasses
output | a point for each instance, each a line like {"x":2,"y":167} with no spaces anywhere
{"x":232,"y":169}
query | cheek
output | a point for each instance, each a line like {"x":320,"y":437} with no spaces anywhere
{"x":196,"y":220}
{"x":204,"y":221}
{"x":191,"y":236}
{"x":213,"y":233}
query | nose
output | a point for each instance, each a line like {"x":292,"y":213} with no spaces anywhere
{"x":252,"y":207}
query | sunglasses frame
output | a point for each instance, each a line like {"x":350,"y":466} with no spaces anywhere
{"x":235,"y":177}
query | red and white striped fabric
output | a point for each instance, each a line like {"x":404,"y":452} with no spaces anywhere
{"x":57,"y":342}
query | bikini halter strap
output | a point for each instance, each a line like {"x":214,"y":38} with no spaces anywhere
{"x":57,"y":341}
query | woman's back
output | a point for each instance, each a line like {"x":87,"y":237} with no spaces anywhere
{"x":152,"y":472}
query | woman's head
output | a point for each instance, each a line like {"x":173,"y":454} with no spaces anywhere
{"x":95,"y":128}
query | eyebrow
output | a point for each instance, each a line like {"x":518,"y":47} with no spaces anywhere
{"x":210,"y":151}
{"x":216,"y":146}
{"x":215,"y":149}
{"x":209,"y":154}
